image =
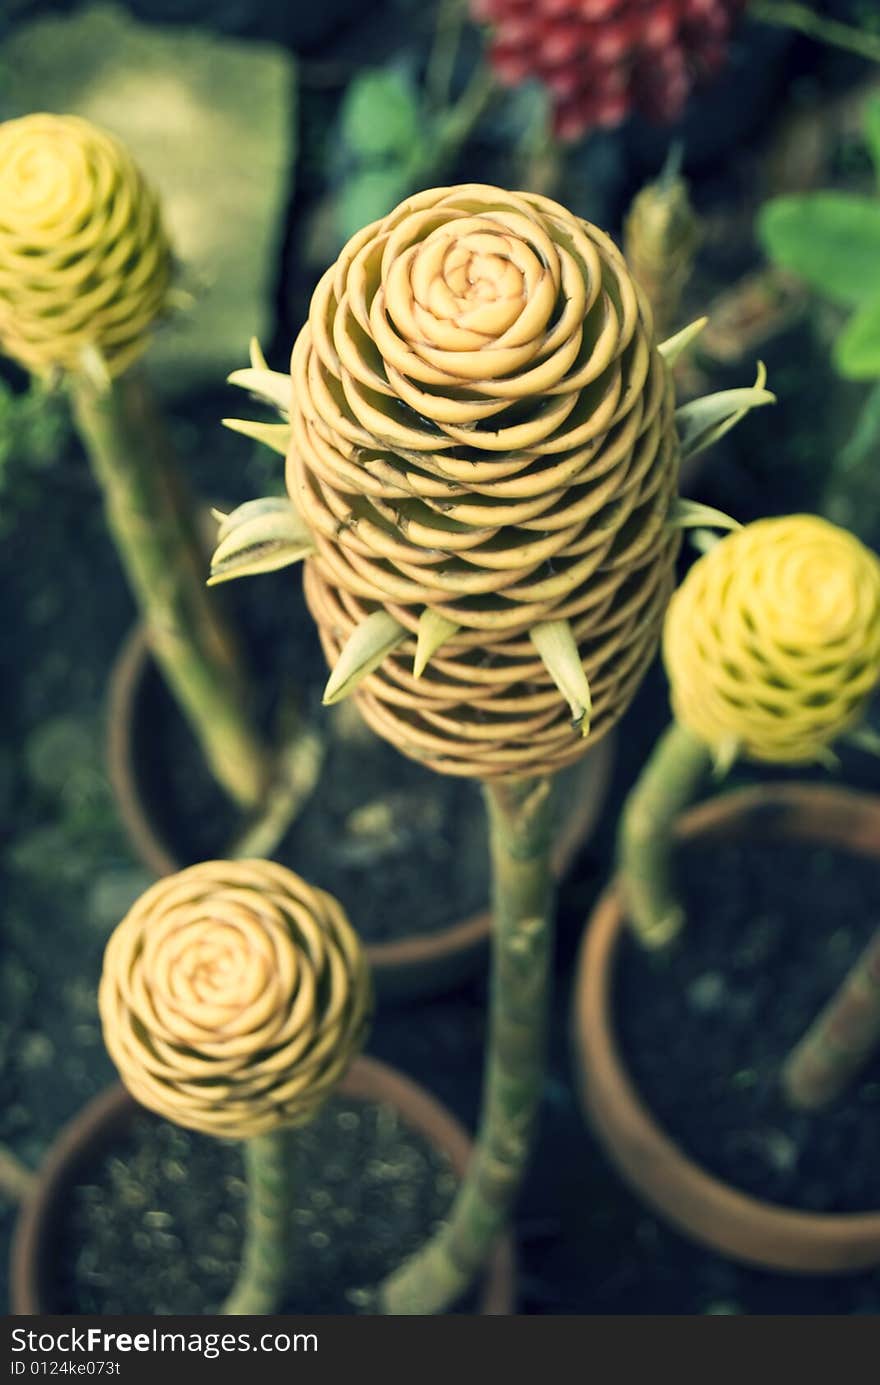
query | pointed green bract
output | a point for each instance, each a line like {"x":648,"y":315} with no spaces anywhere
{"x":703,"y":421}
{"x":179,"y":300}
{"x":255,"y":352}
{"x":268,"y":385}
{"x":828,"y":759}
{"x":691,"y":514}
{"x":864,"y":738}
{"x":274,"y":435}
{"x":433,"y":632}
{"x":724,"y":758}
{"x":260,"y":536}
{"x":704,"y":540}
{"x":94,"y":368}
{"x":364,"y":650}
{"x":674,"y":346}
{"x":556,"y":645}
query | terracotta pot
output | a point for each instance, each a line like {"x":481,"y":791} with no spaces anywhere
{"x":693,"y":1200}
{"x":108,"y":1116}
{"x":403,"y":969}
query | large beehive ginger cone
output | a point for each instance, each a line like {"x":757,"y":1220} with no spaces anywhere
{"x":233,"y":997}
{"x":84,"y":259}
{"x":483,"y":430}
{"x":772,"y":642}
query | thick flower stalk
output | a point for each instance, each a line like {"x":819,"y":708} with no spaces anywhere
{"x":233,"y":997}
{"x":772,"y":647}
{"x":85,"y":273}
{"x":602,"y":60}
{"x":841,"y":1040}
{"x":482,"y":458}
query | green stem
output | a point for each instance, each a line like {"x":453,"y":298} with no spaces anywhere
{"x":521,"y":834}
{"x":841,"y":1040}
{"x":299,"y":767}
{"x":788,"y":14}
{"x":463,"y":116}
{"x":441,"y":59}
{"x":666,"y":785}
{"x":262,"y":1277}
{"x":153,"y":525}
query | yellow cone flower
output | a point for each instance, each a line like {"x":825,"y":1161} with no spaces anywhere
{"x":233,"y":997}
{"x":483,"y":449}
{"x":772,"y":643}
{"x":84,"y":260}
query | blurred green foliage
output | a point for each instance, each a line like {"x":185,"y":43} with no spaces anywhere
{"x":832,"y":240}
{"x":34,"y":430}
{"x":389,"y":145}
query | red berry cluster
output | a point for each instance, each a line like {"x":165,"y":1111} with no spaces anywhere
{"x":602,"y":59}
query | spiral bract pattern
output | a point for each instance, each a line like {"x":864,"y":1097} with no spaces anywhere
{"x":482,"y":426}
{"x":772,"y":643}
{"x":84,"y":259}
{"x":233,"y":997}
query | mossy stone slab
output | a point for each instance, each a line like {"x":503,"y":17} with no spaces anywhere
{"x":211,"y":121}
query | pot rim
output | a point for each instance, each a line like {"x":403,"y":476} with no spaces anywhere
{"x":388,"y":958}
{"x":696,"y":1202}
{"x":107,"y":1115}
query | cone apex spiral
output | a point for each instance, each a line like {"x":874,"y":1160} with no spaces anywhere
{"x":233,"y":997}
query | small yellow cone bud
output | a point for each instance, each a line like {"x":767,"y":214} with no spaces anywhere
{"x":85,"y":264}
{"x":772,"y":643}
{"x":233,"y":997}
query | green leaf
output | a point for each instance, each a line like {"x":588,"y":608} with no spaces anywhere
{"x":872,"y":131}
{"x":830,"y":239}
{"x":857,"y":349}
{"x":380,"y":115}
{"x":370,"y":194}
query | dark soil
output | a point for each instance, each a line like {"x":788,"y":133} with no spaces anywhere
{"x":158,"y":1225}
{"x":402,"y":848}
{"x":772,"y":930}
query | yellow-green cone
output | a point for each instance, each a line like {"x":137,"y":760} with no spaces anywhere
{"x":85,"y":264}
